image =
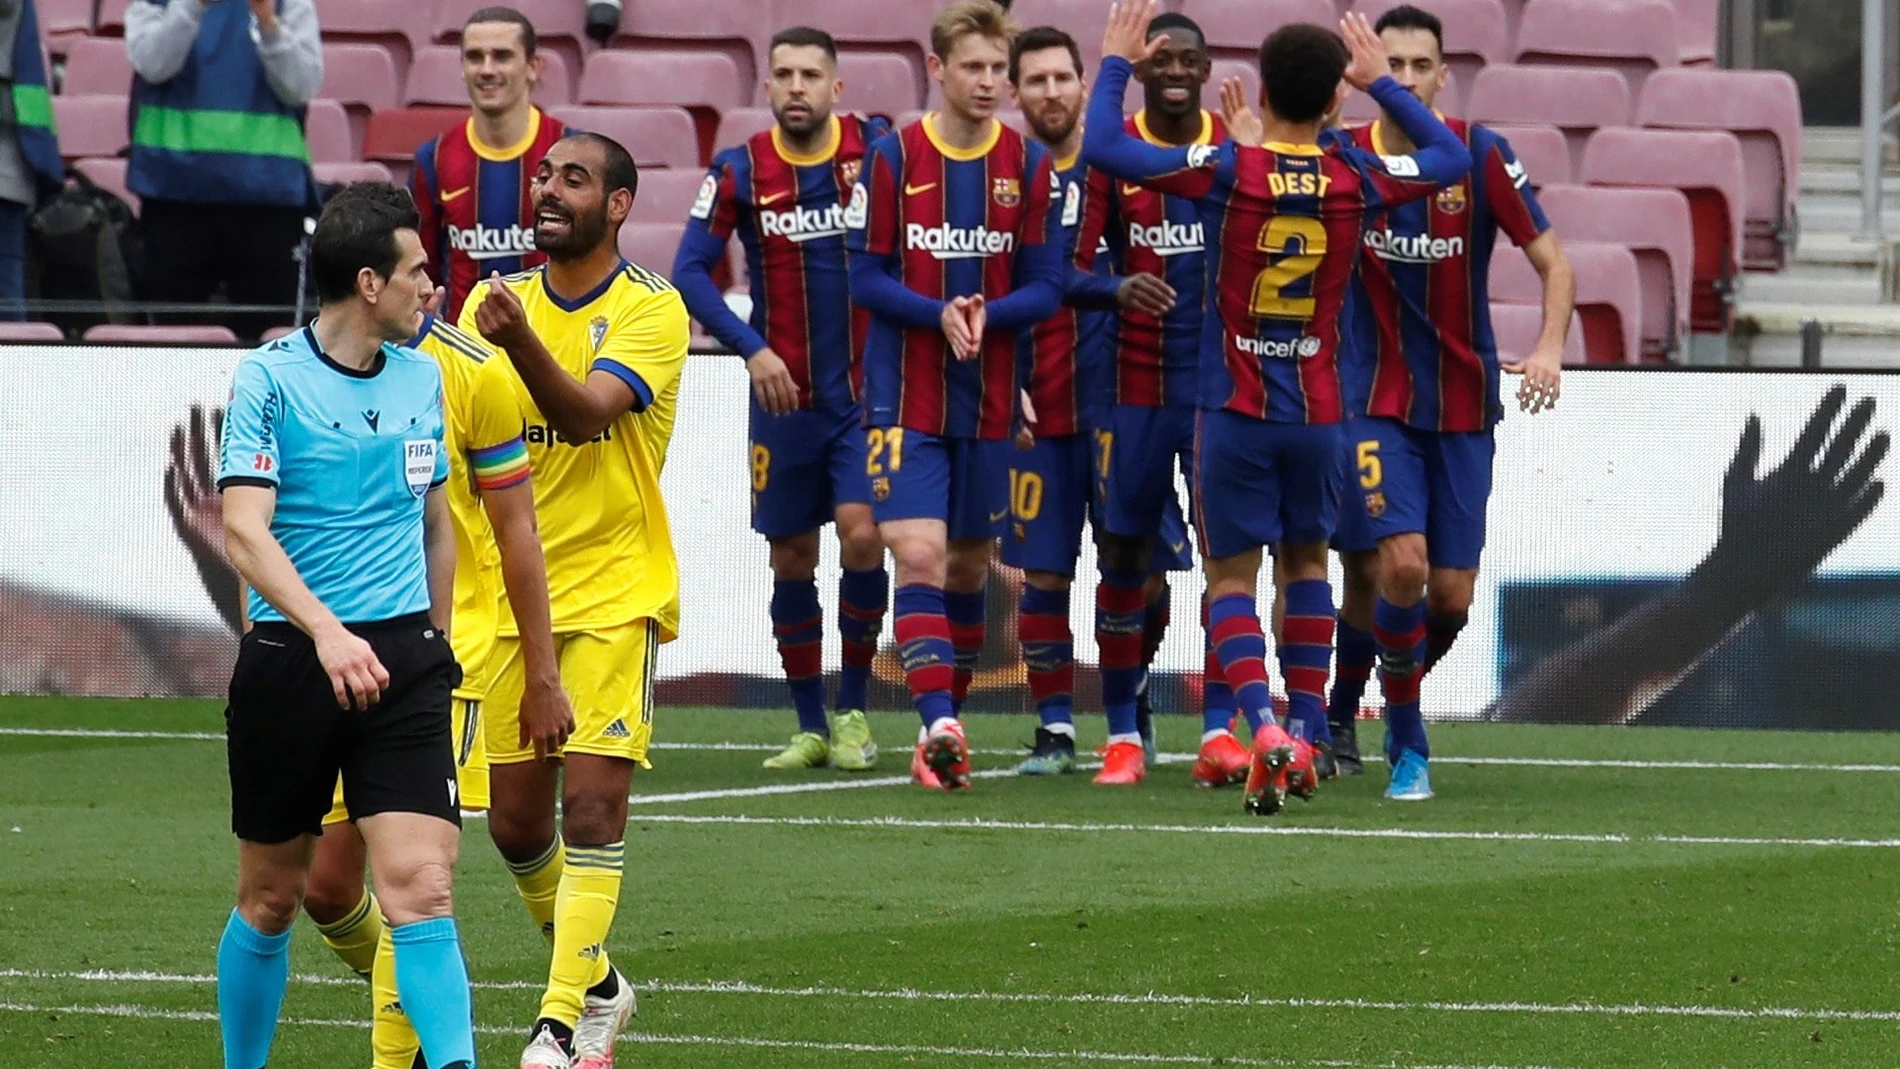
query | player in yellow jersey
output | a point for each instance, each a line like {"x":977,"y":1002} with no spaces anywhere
{"x":597,"y":345}
{"x":491,"y":504}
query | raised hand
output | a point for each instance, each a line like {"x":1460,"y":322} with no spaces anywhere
{"x":500,"y":317}
{"x":772,"y":382}
{"x":1127,"y":33}
{"x":1369,"y":62}
{"x":1243,"y":126}
{"x":1144,"y":292}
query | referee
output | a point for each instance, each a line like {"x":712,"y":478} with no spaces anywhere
{"x":332,"y":470}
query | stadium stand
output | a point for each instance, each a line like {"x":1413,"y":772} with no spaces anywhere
{"x":361,"y":77}
{"x":436,"y":78}
{"x":64,"y":23}
{"x":395,"y":134}
{"x":402,"y":28}
{"x":138,"y":334}
{"x":97,"y":65}
{"x":1763,"y":109}
{"x":1707,"y":168}
{"x":657,"y":137}
{"x":665,"y":197}
{"x":339,"y":173}
{"x":883,"y":84}
{"x":1654,"y":225}
{"x":30,"y":332}
{"x":1234,"y":28}
{"x":1475,"y":35}
{"x":90,"y":125}
{"x":1541,"y":148}
{"x":1609,"y":297}
{"x":560,"y":26}
{"x":327,"y":129}
{"x":1633,"y":38}
{"x":108,"y":173}
{"x":1515,"y":328}
{"x":1576,"y":100}
{"x":738,"y":124}
{"x":1697,"y":23}
{"x":886,"y":27}
{"x":704,"y":83}
{"x":109,"y":19}
{"x":730,"y":27}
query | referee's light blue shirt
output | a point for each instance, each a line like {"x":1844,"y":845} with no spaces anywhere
{"x":351,"y":455}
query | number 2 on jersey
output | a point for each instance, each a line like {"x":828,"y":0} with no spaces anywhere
{"x":1278,"y":239}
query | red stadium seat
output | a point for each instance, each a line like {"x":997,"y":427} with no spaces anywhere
{"x":275,"y":333}
{"x":651,"y":245}
{"x":395,"y":134}
{"x":97,"y":65}
{"x":1697,"y":23}
{"x":657,"y":137}
{"x":882,"y":27}
{"x":90,"y":125}
{"x":1707,"y":168}
{"x":878,"y":84}
{"x":340,"y":173}
{"x":327,"y":129}
{"x":732,"y":27}
{"x":30,"y":332}
{"x":110,"y":21}
{"x":362,"y":78}
{"x":1609,"y":297}
{"x":737,"y":125}
{"x":1235,"y":28}
{"x":1652,"y":223}
{"x":1248,"y":73}
{"x":108,"y":173}
{"x":666,"y":196}
{"x":1632,"y":38}
{"x":1763,"y":109}
{"x":1081,"y":19}
{"x":1575,"y":100}
{"x":64,"y":23}
{"x":1541,"y":148}
{"x":560,"y":26}
{"x":705,"y":83}
{"x":436,"y":78}
{"x":1515,"y":328}
{"x":403,"y":28}
{"x":136,"y":334}
{"x":1475,"y":34}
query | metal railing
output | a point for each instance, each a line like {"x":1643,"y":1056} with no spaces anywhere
{"x":1874,"y":114}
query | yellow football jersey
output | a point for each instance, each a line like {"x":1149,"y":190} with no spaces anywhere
{"x":484,"y":428}
{"x":603,"y":523}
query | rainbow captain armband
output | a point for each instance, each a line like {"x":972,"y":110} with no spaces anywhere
{"x":500,"y":466}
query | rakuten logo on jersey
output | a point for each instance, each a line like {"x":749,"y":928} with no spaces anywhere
{"x":487,"y":243}
{"x":1268,"y":349}
{"x":1168,"y":239}
{"x":1415,"y":249}
{"x":803,"y":224}
{"x":948,"y":242}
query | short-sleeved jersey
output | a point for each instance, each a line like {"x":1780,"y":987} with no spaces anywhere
{"x":788,"y":211}
{"x":483,"y":433}
{"x":351,"y":455}
{"x":1157,"y":360}
{"x":603,"y":523}
{"x":476,"y":203}
{"x":1288,"y":220}
{"x":957,"y":222}
{"x":1426,"y":272}
{"x":1066,"y":352}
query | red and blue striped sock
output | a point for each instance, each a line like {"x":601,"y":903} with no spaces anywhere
{"x":923,"y":645}
{"x":1357,"y":654}
{"x":1306,"y":651}
{"x":1234,"y":629}
{"x":1154,"y":625}
{"x":1120,"y":609}
{"x":1042,"y":625}
{"x":1217,"y":698}
{"x":799,"y":626}
{"x":1400,"y":633}
{"x":1441,"y":630}
{"x":967,"y":632}
{"x":861,"y":604}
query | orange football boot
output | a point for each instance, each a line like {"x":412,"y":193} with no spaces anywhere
{"x":947,"y":754}
{"x":1223,"y":760}
{"x":1266,"y":776}
{"x":1123,"y":764}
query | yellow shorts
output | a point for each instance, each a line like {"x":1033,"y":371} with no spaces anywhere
{"x":608,"y":673}
{"x":471,"y":761}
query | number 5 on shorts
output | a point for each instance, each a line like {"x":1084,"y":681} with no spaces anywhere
{"x":1371,"y":470}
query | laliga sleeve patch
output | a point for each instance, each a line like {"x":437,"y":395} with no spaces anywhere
{"x":1198,"y":156}
{"x":859,"y":209}
{"x":1071,"y":204}
{"x":1400,"y":166}
{"x":708,"y":194}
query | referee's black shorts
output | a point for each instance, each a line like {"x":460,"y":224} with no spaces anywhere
{"x":286,"y":739}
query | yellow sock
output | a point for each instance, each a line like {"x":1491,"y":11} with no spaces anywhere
{"x":590,"y":889}
{"x":392,"y":1039}
{"x":538,"y":882}
{"x":354,"y":937}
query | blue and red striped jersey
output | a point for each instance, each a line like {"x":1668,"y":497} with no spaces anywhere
{"x":788,"y":211}
{"x":1287,"y":222}
{"x":1425,"y":279}
{"x":1068,"y":353}
{"x":930,"y":223}
{"x":1157,"y":360}
{"x":476,"y":204}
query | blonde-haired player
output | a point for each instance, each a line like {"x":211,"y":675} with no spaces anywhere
{"x":597,"y":345}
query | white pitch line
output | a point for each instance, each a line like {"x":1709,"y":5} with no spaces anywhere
{"x":1146,"y":998}
{"x":767,"y":1043}
{"x":983,"y":824}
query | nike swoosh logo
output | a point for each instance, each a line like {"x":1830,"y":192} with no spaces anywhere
{"x":781,"y":195}
{"x":911,"y":191}
{"x":1178,"y":547}
{"x":1129,"y":190}
{"x":450,"y":195}
{"x":997,"y":517}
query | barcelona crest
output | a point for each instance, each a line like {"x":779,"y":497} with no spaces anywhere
{"x":1451,"y":199}
{"x":848,"y":171}
{"x":597,"y":331}
{"x":881,"y":487}
{"x":1007,"y":192}
{"x":1375,"y":504}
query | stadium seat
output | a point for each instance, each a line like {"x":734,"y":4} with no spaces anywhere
{"x":651,"y":245}
{"x":1575,"y":100}
{"x":97,"y":65}
{"x":1609,"y":297}
{"x":275,"y":333}
{"x":108,"y":173}
{"x":1707,"y":168}
{"x":1652,"y":223}
{"x":90,"y":125}
{"x":340,"y":173}
{"x":395,"y":134}
{"x":30,"y":332}
{"x":878,"y":84}
{"x":705,"y":83}
{"x":403,"y":28}
{"x":1763,"y":109}
{"x":64,"y":23}
{"x":1541,"y":148}
{"x":882,"y":26}
{"x":1235,"y":28}
{"x":1475,"y":34}
{"x":560,"y":26}
{"x":1248,"y":73}
{"x":657,"y":137}
{"x":1081,"y":19}
{"x":327,"y":129}
{"x":436,"y":78}
{"x":110,"y":19}
{"x":666,"y":196}
{"x":737,"y":125}
{"x":1632,"y":38}
{"x":363,"y":79}
{"x":1515,"y":329}
{"x":731,"y":27}
{"x":1697,"y":24}
{"x":138,"y":334}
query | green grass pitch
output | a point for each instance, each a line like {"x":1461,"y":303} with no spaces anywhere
{"x":1687,"y":912}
